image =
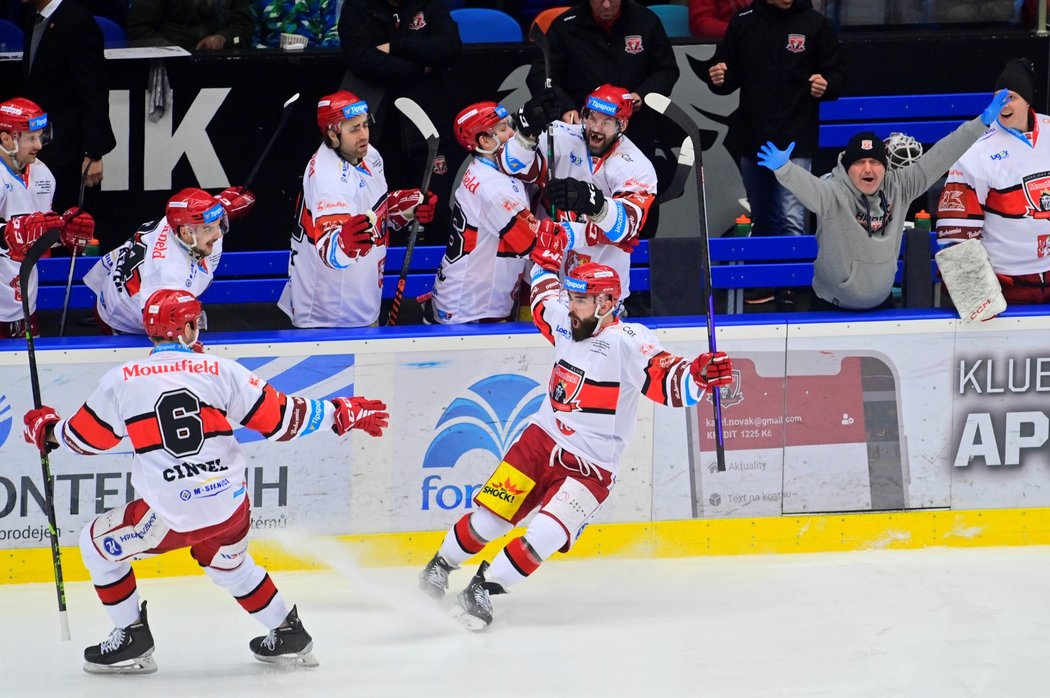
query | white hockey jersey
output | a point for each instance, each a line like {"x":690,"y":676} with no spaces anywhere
{"x":999,"y":192}
{"x":492,"y":231}
{"x":624,"y":175}
{"x":178,"y":409}
{"x":592,"y":396}
{"x":152,"y":259}
{"x":28,"y":192}
{"x":325,"y":287}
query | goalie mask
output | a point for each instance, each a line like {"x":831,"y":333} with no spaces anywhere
{"x":901,"y":150}
{"x":167,"y":311}
{"x":476,"y":120}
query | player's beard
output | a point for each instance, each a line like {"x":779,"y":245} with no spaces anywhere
{"x":583,"y":328}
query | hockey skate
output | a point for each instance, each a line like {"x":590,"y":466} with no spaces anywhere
{"x":473,"y":606}
{"x":126,"y":651}
{"x":291,"y":646}
{"x":433,"y":580}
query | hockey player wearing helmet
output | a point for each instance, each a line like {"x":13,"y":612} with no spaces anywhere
{"x":345,"y":213}
{"x":181,"y":250}
{"x":492,"y":232}
{"x":600,"y":184}
{"x":567,"y":459}
{"x":27,"y":188}
{"x":178,"y":409}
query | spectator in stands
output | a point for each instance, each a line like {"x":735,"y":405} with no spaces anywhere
{"x":616,"y":42}
{"x":709,"y":19}
{"x":861,"y":207}
{"x":193,"y":25}
{"x":401,"y":48}
{"x":315,"y":20}
{"x":997,"y":192}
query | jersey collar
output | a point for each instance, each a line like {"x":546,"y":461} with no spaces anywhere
{"x":171,"y":346}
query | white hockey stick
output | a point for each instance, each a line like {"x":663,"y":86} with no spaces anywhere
{"x":287,"y":112}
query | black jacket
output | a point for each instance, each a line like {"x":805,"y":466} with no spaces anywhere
{"x":185,"y":22}
{"x":636,"y":55}
{"x":769,"y":55}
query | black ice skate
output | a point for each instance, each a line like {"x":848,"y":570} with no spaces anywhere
{"x":126,"y":651}
{"x":433,"y":580}
{"x":291,"y":646}
{"x":473,"y":605}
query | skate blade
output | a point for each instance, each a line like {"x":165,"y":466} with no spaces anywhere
{"x":305,"y":659}
{"x":470,"y":622}
{"x":142,"y":665}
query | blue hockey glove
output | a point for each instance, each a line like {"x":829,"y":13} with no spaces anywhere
{"x":769,"y":156}
{"x":991,"y":112}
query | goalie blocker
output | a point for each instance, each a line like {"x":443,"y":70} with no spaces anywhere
{"x":973,"y":285}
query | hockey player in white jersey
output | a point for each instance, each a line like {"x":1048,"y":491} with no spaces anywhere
{"x":178,"y":409}
{"x":335,"y":274}
{"x":600,"y":181}
{"x":568,"y":458}
{"x":493,"y":230}
{"x":181,"y":250}
{"x":26,"y":190}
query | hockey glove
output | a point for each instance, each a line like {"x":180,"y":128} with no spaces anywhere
{"x":21,"y":232}
{"x":78,"y":231}
{"x":537,"y":113}
{"x":550,"y":246}
{"x":359,"y":413}
{"x":991,"y":112}
{"x":405,"y":205}
{"x":355,"y":237}
{"x":711,"y":370}
{"x":39,"y":424}
{"x":769,"y":156}
{"x":237,"y":201}
{"x":575,"y":195}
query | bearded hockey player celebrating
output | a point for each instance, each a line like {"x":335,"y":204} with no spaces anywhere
{"x":178,"y":409}
{"x":339,"y":251}
{"x":567,"y":459}
{"x":181,"y":250}
{"x":26,"y":189}
{"x":599,"y":180}
{"x":492,"y":228}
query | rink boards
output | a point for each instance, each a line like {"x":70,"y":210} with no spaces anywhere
{"x":940,"y":423}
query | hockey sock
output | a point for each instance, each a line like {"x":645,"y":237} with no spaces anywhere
{"x":471,"y":534}
{"x":523,"y":556}
{"x":121,"y":599}
{"x":254,"y":591}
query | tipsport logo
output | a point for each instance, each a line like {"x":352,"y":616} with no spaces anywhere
{"x":5,"y":419}
{"x":493,"y":414}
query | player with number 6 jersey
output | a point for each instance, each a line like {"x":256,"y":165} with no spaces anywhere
{"x":178,"y":409}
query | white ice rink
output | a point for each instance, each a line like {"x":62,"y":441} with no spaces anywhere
{"x":943,"y":622}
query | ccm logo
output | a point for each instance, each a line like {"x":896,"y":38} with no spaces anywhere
{"x":984,"y":304}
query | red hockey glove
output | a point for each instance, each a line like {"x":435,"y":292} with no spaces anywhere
{"x":198,"y":347}
{"x":550,"y":245}
{"x":405,"y":205}
{"x":237,"y":201}
{"x":22,"y":231}
{"x":78,"y":230}
{"x":355,"y":237}
{"x":711,"y":370}
{"x":359,"y":413}
{"x":39,"y":423}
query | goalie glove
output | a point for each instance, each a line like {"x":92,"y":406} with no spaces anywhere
{"x":39,"y":424}
{"x":359,"y":413}
{"x":711,"y":370}
{"x":537,"y":113}
{"x":355,"y":237}
{"x":21,"y":232}
{"x":576,"y":196}
{"x":78,"y":230}
{"x":405,"y":205}
{"x":551,"y":241}
{"x":237,"y":201}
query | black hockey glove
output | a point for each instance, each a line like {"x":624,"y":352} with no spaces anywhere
{"x":574,"y":195}
{"x":538,"y":112}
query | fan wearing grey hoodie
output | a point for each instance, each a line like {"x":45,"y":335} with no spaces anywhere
{"x":860,"y":208}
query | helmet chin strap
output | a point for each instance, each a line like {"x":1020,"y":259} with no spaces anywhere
{"x":601,"y":317}
{"x":13,"y":154}
{"x":190,"y":247}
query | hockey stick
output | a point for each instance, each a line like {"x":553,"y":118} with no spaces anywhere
{"x":681,"y":173}
{"x":33,"y":255}
{"x":73,"y":256}
{"x":539,"y":37}
{"x":422,"y":122}
{"x":288,"y":105}
{"x":672,"y":111}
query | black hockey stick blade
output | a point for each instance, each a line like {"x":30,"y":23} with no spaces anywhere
{"x":685,"y":160}
{"x":289,"y":105}
{"x":25,"y":271}
{"x":539,"y":37}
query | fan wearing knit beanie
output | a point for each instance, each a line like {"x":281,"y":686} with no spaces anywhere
{"x":860,"y":209}
{"x":999,"y":193}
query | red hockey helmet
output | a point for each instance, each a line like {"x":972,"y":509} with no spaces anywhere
{"x":610,"y":100}
{"x":194,"y":207}
{"x":335,"y":108}
{"x":593,"y":279}
{"x":478,"y":118}
{"x":167,"y":311}
{"x":20,"y":115}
